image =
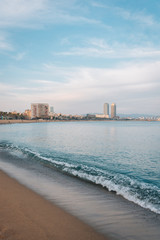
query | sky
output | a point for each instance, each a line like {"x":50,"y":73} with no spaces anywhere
{"x":78,"y":54}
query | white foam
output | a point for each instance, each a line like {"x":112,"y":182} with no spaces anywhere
{"x":113,"y":182}
{"x":119,"y":189}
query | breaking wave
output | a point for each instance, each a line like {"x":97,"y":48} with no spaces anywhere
{"x":144,"y":194}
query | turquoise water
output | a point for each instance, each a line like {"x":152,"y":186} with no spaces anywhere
{"x":123,"y":157}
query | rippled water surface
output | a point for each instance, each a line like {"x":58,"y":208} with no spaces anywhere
{"x":123,"y":157}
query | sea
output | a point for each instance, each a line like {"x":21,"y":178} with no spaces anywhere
{"x":106,"y":173}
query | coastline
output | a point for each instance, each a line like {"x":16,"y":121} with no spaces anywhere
{"x":23,"y":121}
{"x":89,"y":120}
{"x":26,"y":215}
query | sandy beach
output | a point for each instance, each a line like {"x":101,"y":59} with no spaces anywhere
{"x":12,"y":121}
{"x":26,"y":215}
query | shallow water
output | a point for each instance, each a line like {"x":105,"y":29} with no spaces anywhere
{"x":117,"y":156}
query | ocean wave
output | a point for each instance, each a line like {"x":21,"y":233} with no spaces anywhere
{"x":144,"y":194}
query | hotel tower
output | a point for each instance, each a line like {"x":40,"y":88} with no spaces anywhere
{"x":113,"y":110}
{"x":106,"y":109}
{"x":39,"y":110}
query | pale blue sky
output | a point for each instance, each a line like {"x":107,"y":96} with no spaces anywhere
{"x":78,"y":54}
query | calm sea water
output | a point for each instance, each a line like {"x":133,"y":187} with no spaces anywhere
{"x":121,"y":157}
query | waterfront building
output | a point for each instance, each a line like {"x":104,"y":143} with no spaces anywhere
{"x":113,"y":110}
{"x":27,"y":114}
{"x":51,"y":112}
{"x":106,"y":109}
{"x":102,"y":116}
{"x":51,"y":109}
{"x":39,"y":110}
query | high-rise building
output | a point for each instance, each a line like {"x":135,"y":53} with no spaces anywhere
{"x":113,"y":110}
{"x":51,"y":112}
{"x":39,"y":110}
{"x":106,"y":109}
{"x":51,"y":109}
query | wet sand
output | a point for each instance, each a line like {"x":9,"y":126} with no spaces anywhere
{"x":26,"y":215}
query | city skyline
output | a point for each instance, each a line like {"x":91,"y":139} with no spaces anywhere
{"x":76,"y":54}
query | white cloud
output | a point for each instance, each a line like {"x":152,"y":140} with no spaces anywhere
{"x":37,"y":13}
{"x":100,"y":48}
{"x":86,"y":51}
{"x":4,"y":87}
{"x":4,"y":44}
{"x":138,"y":16}
{"x":19,"y":56}
{"x":19,"y":12}
{"x":20,"y":9}
{"x":40,"y":81}
{"x":88,"y":83}
{"x":143,"y":18}
{"x":86,"y":89}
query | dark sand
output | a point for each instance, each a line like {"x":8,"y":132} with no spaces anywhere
{"x":24,"y":215}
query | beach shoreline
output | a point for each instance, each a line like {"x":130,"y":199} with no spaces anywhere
{"x":78,"y":120}
{"x":26,"y":215}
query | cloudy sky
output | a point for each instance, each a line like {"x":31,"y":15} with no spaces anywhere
{"x":78,"y":54}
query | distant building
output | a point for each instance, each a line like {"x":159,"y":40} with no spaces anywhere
{"x":51,"y":112}
{"x":90,"y":116}
{"x":27,"y":114}
{"x":39,"y":110}
{"x":106,"y":109}
{"x":102,"y":116}
{"x":51,"y":109}
{"x":113,"y":110}
{"x":14,"y":112}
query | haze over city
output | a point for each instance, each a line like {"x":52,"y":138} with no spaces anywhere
{"x":77,"y":55}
